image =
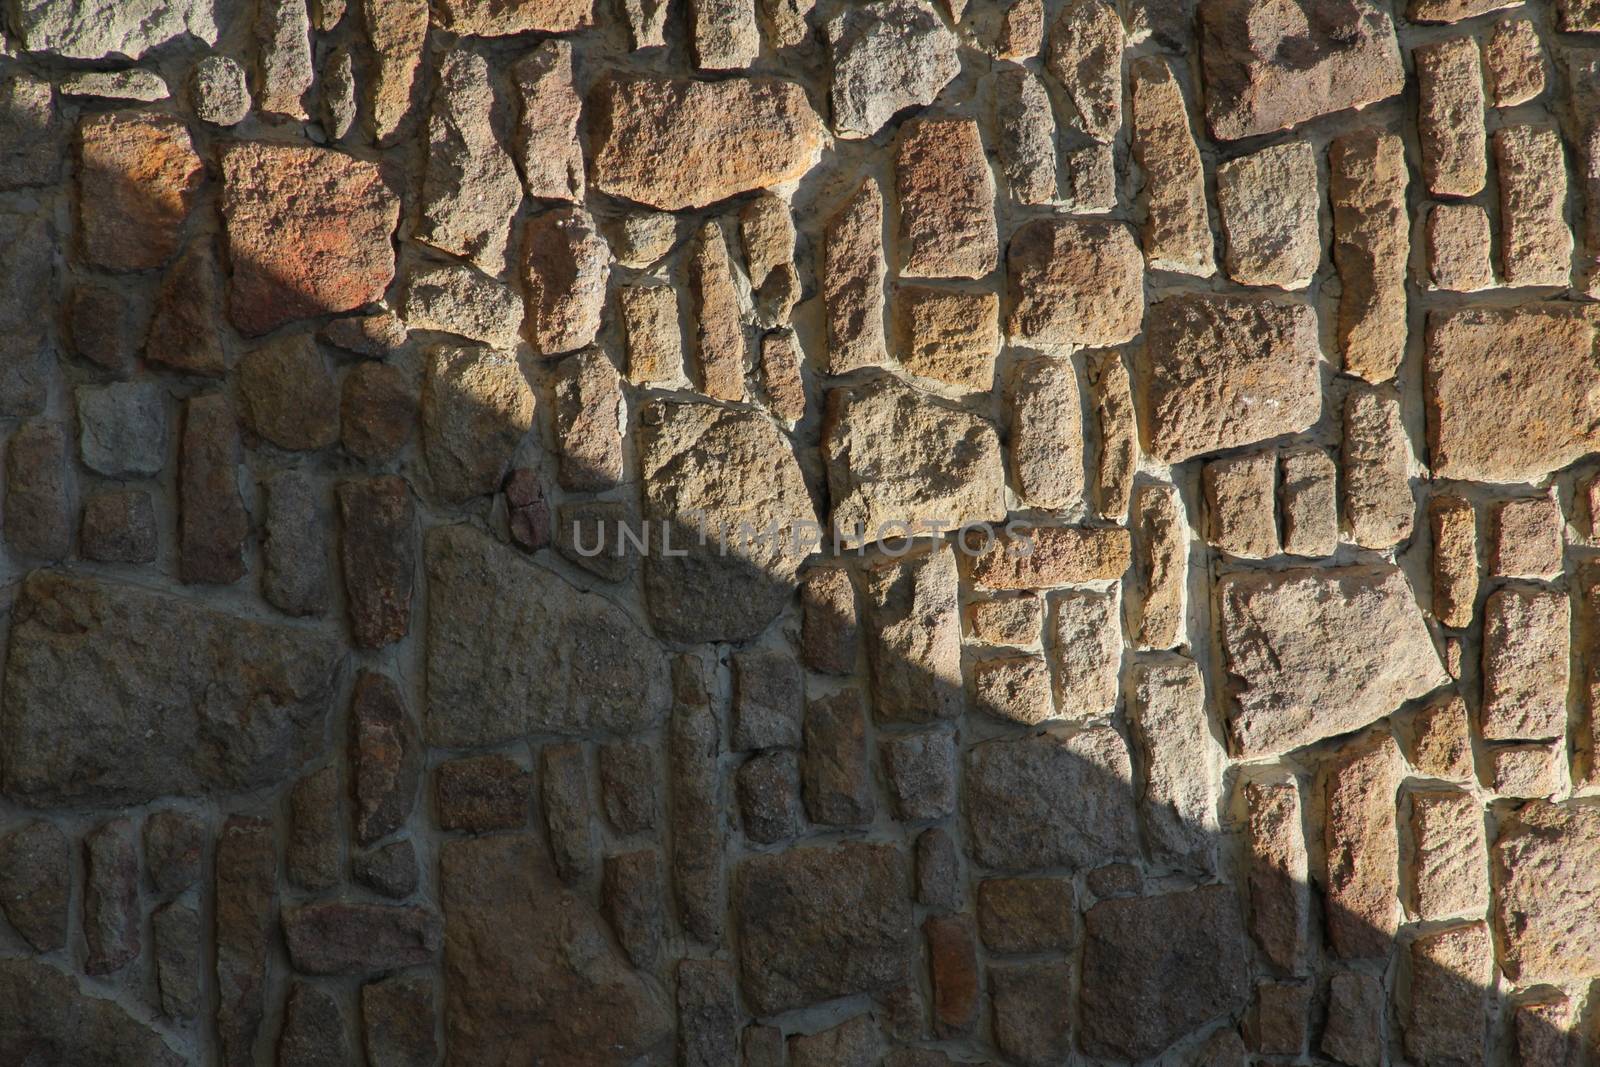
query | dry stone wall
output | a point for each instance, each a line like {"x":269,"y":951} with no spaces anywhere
{"x":1097,"y":510}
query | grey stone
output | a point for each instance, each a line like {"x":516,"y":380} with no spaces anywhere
{"x":913,"y":629}
{"x":92,"y":29}
{"x":33,"y":132}
{"x":377,"y":548}
{"x":36,"y":884}
{"x":38,"y":517}
{"x":694,"y":749}
{"x":631,"y":890}
{"x":768,"y":693}
{"x":296,"y":547}
{"x":838,"y":778}
{"x":390,"y":871}
{"x":397,"y":1021}
{"x":601,"y":536}
{"x":110,"y":897}
{"x":338,"y":93}
{"x":457,"y":299}
{"x":245,"y":915}
{"x":920,"y":770}
{"x":175,"y":929}
{"x":564,"y":794}
{"x":173,"y":841}
{"x":120,"y":695}
{"x":313,"y":1029}
{"x":144,"y":86}
{"x":628,"y":776}
{"x":471,"y":188}
{"x":283,"y":64}
{"x":887,"y":56}
{"x":340,"y":937}
{"x":27,"y":271}
{"x":589,"y":417}
{"x":768,"y":787}
{"x":708,"y":1013}
{"x":546,"y":140}
{"x":313,"y":856}
{"x":50,"y":1019}
{"x":543,"y":656}
{"x":219,"y":91}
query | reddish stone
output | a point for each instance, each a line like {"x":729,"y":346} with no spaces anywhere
{"x":137,"y":179}
{"x":385,"y":757}
{"x":379,"y":552}
{"x":344,"y":938}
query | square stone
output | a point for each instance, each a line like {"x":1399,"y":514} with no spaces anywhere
{"x":1074,"y":281}
{"x":1527,"y":538}
{"x":948,"y":334}
{"x":122,"y":428}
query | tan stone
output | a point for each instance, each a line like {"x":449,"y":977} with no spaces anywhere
{"x":1453,"y":10}
{"x":1074,"y":281}
{"x":494,"y":18}
{"x":654,"y":336}
{"x":1297,"y":646}
{"x":883,"y":440}
{"x":1110,"y":393}
{"x":1513,"y":59}
{"x":138,"y":176}
{"x":674,"y":143}
{"x":780,"y":375}
{"x":1161,"y":567}
{"x":1027,"y":126}
{"x":723,"y":33}
{"x":1441,"y":739}
{"x":565,"y":267}
{"x":545,"y":138}
{"x":1535,"y":244}
{"x":1086,"y":651}
{"x":398,"y":30}
{"x":1269,"y":203}
{"x":1376,"y":462}
{"x":1345,"y":56}
{"x":913,"y":628}
{"x":949,"y":335}
{"x":1531,"y":770}
{"x":588,"y":422}
{"x":1308,"y":502}
{"x":1278,"y":1021}
{"x":1015,"y":688}
{"x":1546,"y":879}
{"x":852,"y":280}
{"x":1527,"y":538}
{"x":1181,"y":778}
{"x":1444,"y":1018}
{"x":1549,"y":1031}
{"x":1042,"y":557}
{"x":947,"y":225}
{"x":1455,"y":559}
{"x":477,"y":406}
{"x":1451,"y":868}
{"x":287,"y":394}
{"x":1278,"y":883}
{"x":766,"y":232}
{"x":1089,"y":177}
{"x":1371,"y":246}
{"x":1177,"y":229}
{"x":1525,"y":664}
{"x":1085,"y":56}
{"x":1511,"y":393}
{"x":1045,"y":442}
{"x":888,"y":57}
{"x":1224,"y":371}
{"x":1017,"y":915}
{"x":1358,"y":786}
{"x":1240,"y":496}
{"x":718,"y":326}
{"x":1011,"y":620}
{"x":829,"y":629}
{"x":1457,"y":238}
{"x":1450,"y":116}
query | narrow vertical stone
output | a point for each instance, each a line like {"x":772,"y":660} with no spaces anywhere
{"x":1027,"y":135}
{"x":1240,"y":496}
{"x":1111,"y":393}
{"x":1161,"y":558}
{"x":1535,"y":244}
{"x":780,"y":375}
{"x":397,"y":1021}
{"x":38,"y":515}
{"x":838,"y":776}
{"x":718,"y":325}
{"x":385,"y":757}
{"x":545,"y":140}
{"x":1085,"y":56}
{"x":1046,"y":432}
{"x":654,"y":336}
{"x":1277,"y":882}
{"x":1371,"y":234}
{"x":312,"y":857}
{"x":1376,"y":460}
{"x":1451,"y":870}
{"x":566,"y":266}
{"x":853,"y":270}
{"x":564,"y":791}
{"x":1453,"y":524}
{"x":694,"y":747}
{"x":283,"y":68}
{"x":946,"y":193}
{"x":1308,"y":502}
{"x":913,"y":628}
{"x":111,"y":897}
{"x":829,"y":630}
{"x":1181,"y":779}
{"x":378,"y":549}
{"x":212,"y":522}
{"x":1177,"y":231}
{"x":246,"y":907}
{"x":397,"y":30}
{"x":175,"y":930}
{"x":631,"y":896}
{"x":588,"y":422}
{"x":953,"y":971}
{"x":1359,"y":785}
{"x":1450,"y":116}
{"x":708,"y":1014}
{"x":295,"y":550}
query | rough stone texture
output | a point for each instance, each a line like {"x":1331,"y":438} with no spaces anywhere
{"x":1458,"y":243}
{"x":1450,"y":971}
{"x":1293,"y":643}
{"x":1159,"y":561}
{"x":1085,"y":57}
{"x":489,"y":18}
{"x":246,"y":904}
{"x":1525,"y":664}
{"x":138,"y":176}
{"x":185,"y":330}
{"x":1220,"y":372}
{"x":482,"y":793}
{"x":295,"y":551}
{"x":175,"y":928}
{"x":1367,"y":183}
{"x":1358,"y":787}
{"x":1452,"y":869}
{"x":308,"y":233}
{"x":283,"y":67}
{"x":287,"y":395}
{"x":947,"y":225}
{"x":852,"y":280}
{"x":1269,"y":207}
{"x":36,"y":884}
{"x":1526,"y":538}
{"x":1376,"y":467}
{"x":1544,"y":891}
{"x":1354,"y":1034}
{"x":654,"y":337}
{"x":1453,"y":526}
{"x":461,"y":301}
{"x":1046,"y":432}
{"x":913,"y":628}
{"x":546,"y":140}
{"x":1345,"y":56}
{"x":397,"y":1017}
{"x":1181,"y":783}
{"x":119,"y":527}
{"x":768,"y":688}
{"x":1535,"y":244}
{"x":1442,"y":746}
{"x":676,"y":143}
{"x":335,"y":937}
{"x":1074,"y":282}
{"x":1239,"y":493}
{"x":1308,"y":505}
{"x":377,"y":548}
{"x":588,"y":419}
{"x":28,"y":274}
{"x":1027,"y":135}
{"x":565,"y":265}
{"x":1177,"y":230}
{"x":38,"y":518}
{"x":719,"y":341}
{"x":312,"y":856}
{"x":220,"y":91}
{"x":887,"y":56}
{"x":1513,"y":61}
{"x":1086,"y":651}
{"x":477,"y":406}
{"x":1277,"y":881}
{"x":1450,"y":120}
{"x":52,"y":1019}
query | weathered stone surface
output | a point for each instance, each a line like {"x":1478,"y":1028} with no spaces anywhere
{"x":1160,"y":566}
{"x":38,"y":517}
{"x":1526,"y":538}
{"x":1356,"y":1010}
{"x":477,"y":406}
{"x":1308,"y":504}
{"x":336,"y":937}
{"x":527,"y":961}
{"x":1022,"y":915}
{"x":1371,"y":227}
{"x":768,"y":787}
{"x":283,"y":50}
{"x":1509,"y":392}
{"x":287,"y":394}
{"x":1040,"y":557}
{"x":1529,"y":770}
{"x":457,"y":299}
{"x":390,"y":871}
{"x":36,"y":884}
{"x":718,"y":323}
{"x":1451,"y":10}
{"x":939,"y":880}
{"x":296,"y":548}
{"x":601,"y":536}
{"x":779,"y":370}
{"x":1548,"y":1031}
{"x":1453,"y":526}
{"x":185,"y":331}
{"x":470,"y":188}
{"x":76,"y":29}
{"x":879,"y":439}
{"x":1180,"y":774}
{"x":309,"y":232}
{"x":829,"y":631}
{"x":818,"y":923}
{"x":628,"y":776}
{"x":1239,"y":492}
{"x":631,"y":893}
{"x":1296,"y":646}
{"x":1358,"y":786}
{"x":1177,"y":229}
{"x":1013,"y":688}
{"x":856,"y":1042}
{"x":33,"y":130}
{"x":920,"y":771}
{"x":565,"y":266}
{"x":489,"y":18}
{"x":768,"y":688}
{"x":588,"y":421}
{"x":398,"y":29}
{"x":377,"y":547}
{"x":376,"y":335}
{"x":26,"y":284}
{"x":1345,"y":56}
{"x":913,"y":630}
{"x":1451,"y":970}
{"x":312,"y":858}
{"x":51,"y":1020}
{"x":1032,"y":1011}
{"x":1156,"y":968}
{"x":1451,"y":871}
{"x":119,"y":695}
{"x":947,"y":224}
{"x":219,"y":91}
{"x":1450,"y":116}
{"x":1224,"y":371}
{"x":544,"y":657}
{"x":377,"y":411}
{"x":723,"y":33}
{"x":110,"y":897}
{"x":1027,"y":142}
{"x":138,"y":176}
{"x":564,"y":792}
{"x":338,"y":93}
{"x":1074,"y":282}
{"x":1085,"y":57}
{"x":1269,"y":205}
{"x":1458,"y":244}
{"x":888,"y":56}
{"x":482,"y":793}
{"x":1277,"y":882}
{"x":654,"y":337}
{"x":545,"y":139}
{"x":397,"y":1020}
{"x":708,"y":1013}
{"x":97,"y":329}
{"x":175,"y":929}
{"x":1525,"y":664}
{"x":246,"y":906}
{"x":1535,"y":244}
{"x":1442,"y":746}
{"x":1579,"y":16}
{"x":1376,"y":468}
{"x":1006,"y":620}
{"x":1513,"y":60}
{"x":119,"y":527}
{"x":313,"y":1028}
{"x":1046,"y":432}
{"x":1089,"y":177}
{"x":674,"y":143}
{"x":1076,"y":809}
{"x":694,"y":748}
{"x":1086,"y":651}
{"x":173,"y":841}
{"x":953,"y":973}
{"x":732,"y":477}
{"x":852,"y":280}
{"x":838,"y":777}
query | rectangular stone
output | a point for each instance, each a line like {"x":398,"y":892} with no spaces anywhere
{"x":1535,"y":244}
{"x":1527,"y":538}
{"x":1160,"y":567}
{"x":913,"y":628}
{"x":1549,"y":926}
{"x":1445,"y":1018}
{"x":1376,"y":465}
{"x":853,"y":270}
{"x":947,"y":224}
{"x":1042,"y":557}
{"x":1086,"y":649}
{"x":1177,"y":230}
{"x":1181,"y":776}
{"x":1111,"y":397}
{"x":1453,"y":524}
{"x":838,"y":776}
{"x":1371,"y":247}
{"x":1046,"y":432}
{"x":1458,"y":246}
{"x":1358,"y":786}
{"x":1450,"y":116}
{"x":1240,"y":501}
{"x":1451,"y":869}
{"x":1270,"y":206}
{"x":1278,"y":883}
{"x":1308,"y":503}
{"x":1526,"y":664}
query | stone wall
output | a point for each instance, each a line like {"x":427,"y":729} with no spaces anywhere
{"x":1256,"y":729}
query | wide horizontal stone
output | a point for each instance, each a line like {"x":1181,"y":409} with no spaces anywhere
{"x":1511,"y":393}
{"x":114,"y":694}
{"x":514,"y":649}
{"x":91,"y":29}
{"x":336,"y":937}
{"x":675,"y":143}
{"x":1301,"y":653}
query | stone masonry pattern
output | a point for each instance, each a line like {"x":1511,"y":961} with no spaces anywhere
{"x":821,"y":533}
